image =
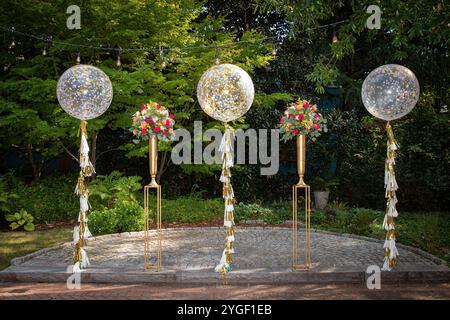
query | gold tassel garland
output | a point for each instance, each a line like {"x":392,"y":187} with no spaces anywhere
{"x":86,"y":170}
{"x":226,"y":148}
{"x":390,"y":249}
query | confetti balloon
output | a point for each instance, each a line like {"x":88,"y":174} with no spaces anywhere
{"x":390,"y":92}
{"x":84,"y":92}
{"x":225,"y":92}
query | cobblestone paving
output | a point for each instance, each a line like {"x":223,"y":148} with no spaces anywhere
{"x":255,"y":248}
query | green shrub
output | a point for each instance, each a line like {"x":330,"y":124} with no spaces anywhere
{"x":362,"y":220}
{"x":50,"y":199}
{"x":126,"y":217}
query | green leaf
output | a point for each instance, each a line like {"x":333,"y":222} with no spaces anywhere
{"x":14,"y":226}
{"x":29,"y":227}
{"x":10,"y":217}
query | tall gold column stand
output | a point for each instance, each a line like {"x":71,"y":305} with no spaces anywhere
{"x":301,"y":161}
{"x":153,"y":165}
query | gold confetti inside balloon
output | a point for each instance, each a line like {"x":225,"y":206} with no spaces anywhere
{"x":84,"y":92}
{"x":225,"y":92}
{"x":390,"y":92}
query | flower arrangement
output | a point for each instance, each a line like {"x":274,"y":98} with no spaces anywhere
{"x":152,"y":119}
{"x":301,"y":117}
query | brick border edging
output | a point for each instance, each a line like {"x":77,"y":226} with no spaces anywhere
{"x":19,"y":260}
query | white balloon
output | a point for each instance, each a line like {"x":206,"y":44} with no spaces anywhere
{"x":225,"y":92}
{"x":84,"y":92}
{"x":390,"y":92}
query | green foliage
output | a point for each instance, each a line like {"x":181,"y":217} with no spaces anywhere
{"x":52,"y":199}
{"x":125,"y":217}
{"x":6,"y":197}
{"x":114,"y":189}
{"x":21,"y":219}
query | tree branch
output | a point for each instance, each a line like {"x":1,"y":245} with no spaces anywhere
{"x":70,"y":154}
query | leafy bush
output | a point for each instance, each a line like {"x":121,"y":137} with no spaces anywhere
{"x":50,"y":199}
{"x":21,"y":219}
{"x":361,"y":221}
{"x":6,"y":198}
{"x":126,"y":217}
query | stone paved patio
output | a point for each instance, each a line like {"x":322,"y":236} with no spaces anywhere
{"x":262,"y":255}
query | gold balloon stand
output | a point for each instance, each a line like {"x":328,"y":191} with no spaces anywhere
{"x":301,"y":161}
{"x":153,"y":185}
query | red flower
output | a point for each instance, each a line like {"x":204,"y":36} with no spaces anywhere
{"x":164,"y":132}
{"x":317,"y":126}
{"x":316,"y":115}
{"x":158,"y":106}
{"x":295,"y":131}
{"x":143,"y":106}
{"x":151,"y":122}
{"x":171,"y":116}
{"x":290,"y":115}
{"x":157,"y":129}
{"x":306,"y":106}
{"x":147,"y":120}
{"x":301,"y":117}
{"x":168,"y":123}
{"x":144,"y":131}
{"x":281,"y":120}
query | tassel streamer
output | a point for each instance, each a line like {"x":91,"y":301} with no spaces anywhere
{"x":226,"y":148}
{"x":390,"y":183}
{"x":81,"y":231}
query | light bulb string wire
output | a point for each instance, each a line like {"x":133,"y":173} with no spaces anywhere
{"x":45,"y":39}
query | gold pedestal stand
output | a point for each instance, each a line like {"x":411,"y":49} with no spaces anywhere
{"x":153,"y":164}
{"x":301,"y":161}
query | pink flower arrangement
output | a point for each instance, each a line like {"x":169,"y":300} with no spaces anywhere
{"x":152,"y":119}
{"x":301,"y":117}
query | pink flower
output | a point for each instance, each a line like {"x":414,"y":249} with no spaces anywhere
{"x":295,"y":131}
{"x":317,"y":126}
{"x":157,"y":129}
{"x":164,"y":132}
{"x":170,"y":130}
{"x":281,"y":120}
{"x":151,"y":122}
{"x":301,"y":117}
{"x":135,"y":119}
{"x":147,"y":120}
{"x":143,"y":106}
{"x":171,"y":116}
{"x":306,"y":106}
{"x":144,"y":131}
{"x":314,"y":108}
{"x":134,"y":132}
{"x":316,"y":115}
{"x":168,"y":123}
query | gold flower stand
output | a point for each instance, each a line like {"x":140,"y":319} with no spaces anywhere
{"x":153,"y":164}
{"x":301,"y":161}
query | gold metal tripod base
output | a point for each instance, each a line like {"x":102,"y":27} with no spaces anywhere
{"x":295,"y":265}
{"x":147,"y":266}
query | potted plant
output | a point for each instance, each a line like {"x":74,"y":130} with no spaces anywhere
{"x":321,"y":189}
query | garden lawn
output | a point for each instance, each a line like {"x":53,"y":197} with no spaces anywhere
{"x":19,"y":243}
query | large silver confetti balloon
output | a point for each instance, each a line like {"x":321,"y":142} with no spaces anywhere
{"x":390,"y":92}
{"x":84,"y":92}
{"x":225,"y":92}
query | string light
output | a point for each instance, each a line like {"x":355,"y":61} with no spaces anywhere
{"x":44,"y":52}
{"x":78,"y":58}
{"x":68,"y":44}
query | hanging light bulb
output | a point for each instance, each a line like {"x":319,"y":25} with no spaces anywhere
{"x":163,"y":59}
{"x":78,"y":58}
{"x":334,"y":39}
{"x":274,"y":49}
{"x":217,"y":55}
{"x":44,"y":52}
{"x":118,"y":61}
